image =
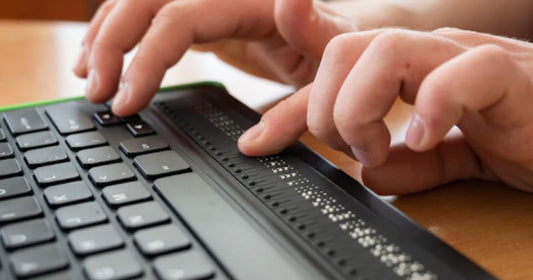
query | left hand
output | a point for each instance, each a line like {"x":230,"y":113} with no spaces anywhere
{"x":479,"y":82}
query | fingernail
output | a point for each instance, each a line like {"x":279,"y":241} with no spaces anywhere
{"x":362,"y":155}
{"x":81,"y":59}
{"x":122,"y":96}
{"x":416,"y":131}
{"x":92,"y":84}
{"x":252,"y":133}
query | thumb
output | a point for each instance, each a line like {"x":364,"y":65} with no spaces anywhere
{"x":279,"y":127}
{"x":308,"y":26}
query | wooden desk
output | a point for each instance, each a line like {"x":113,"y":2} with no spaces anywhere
{"x":488,"y":222}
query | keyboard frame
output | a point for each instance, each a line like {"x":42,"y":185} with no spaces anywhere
{"x":274,"y":227}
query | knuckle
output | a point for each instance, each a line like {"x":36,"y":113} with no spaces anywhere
{"x":107,"y":6}
{"x":447,"y":31}
{"x":390,"y":39}
{"x":493,"y":53}
{"x":337,"y":47}
{"x":344,"y":120}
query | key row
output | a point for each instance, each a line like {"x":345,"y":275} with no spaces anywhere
{"x":68,"y":119}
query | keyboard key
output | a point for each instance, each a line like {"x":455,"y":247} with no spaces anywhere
{"x":106,"y":118}
{"x":80,"y":215}
{"x":97,"y":156}
{"x":141,"y":215}
{"x":111,"y":174}
{"x":85,"y":140}
{"x":95,"y":239}
{"x":2,"y":135}
{"x":5,"y":150}
{"x":113,"y":266}
{"x":36,"y":140}
{"x":14,"y":187}
{"x":9,"y":167}
{"x":19,"y":208}
{"x":68,"y":118}
{"x":55,"y":174}
{"x":67,"y":193}
{"x":161,"y":164}
{"x":26,"y":233}
{"x":24,"y":121}
{"x":37,"y":260}
{"x":160,"y":240}
{"x":137,"y":146}
{"x":125,"y":193}
{"x":186,"y":265}
{"x":45,"y":156}
{"x":138,"y":127}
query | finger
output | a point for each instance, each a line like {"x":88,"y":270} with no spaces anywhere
{"x":406,"y":171}
{"x":340,"y":55}
{"x":80,"y":68}
{"x":309,"y":26}
{"x":453,"y":93}
{"x":119,"y":33}
{"x":279,"y":127}
{"x":391,"y":66}
{"x":174,"y":29}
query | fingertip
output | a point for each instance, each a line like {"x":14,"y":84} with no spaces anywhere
{"x":416,"y":134}
{"x":80,"y":66}
{"x":257,"y":141}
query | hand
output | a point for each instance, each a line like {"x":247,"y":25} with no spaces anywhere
{"x":480,"y":83}
{"x":284,"y":38}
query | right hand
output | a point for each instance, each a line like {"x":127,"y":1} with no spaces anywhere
{"x":284,"y":38}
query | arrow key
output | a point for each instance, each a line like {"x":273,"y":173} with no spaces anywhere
{"x":111,"y":174}
{"x":126,"y":193}
{"x":67,"y":193}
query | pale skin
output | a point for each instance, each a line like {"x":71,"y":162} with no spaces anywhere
{"x":481,"y":83}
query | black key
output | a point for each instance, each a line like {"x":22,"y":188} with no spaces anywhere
{"x":63,"y":275}
{"x":5,"y":151}
{"x":95,"y":239}
{"x":9,"y":167}
{"x":14,"y":187}
{"x":36,"y":140}
{"x":2,"y":135}
{"x":45,"y":156}
{"x":137,"y":146}
{"x":161,"y":164}
{"x":111,"y":174}
{"x":85,"y":140}
{"x":97,"y":156}
{"x":106,"y":118}
{"x":69,"y":118}
{"x":24,"y":121}
{"x":67,"y":193}
{"x":187,"y":265}
{"x":141,"y":215}
{"x":26,"y":233}
{"x":160,"y":240}
{"x":80,"y":215}
{"x":138,"y":127}
{"x":126,"y":193}
{"x":55,"y":174}
{"x":113,"y":266}
{"x":19,"y":208}
{"x":37,"y":260}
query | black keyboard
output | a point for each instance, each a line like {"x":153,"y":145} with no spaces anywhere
{"x":165,"y":194}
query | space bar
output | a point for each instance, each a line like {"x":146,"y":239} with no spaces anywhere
{"x":235,"y":241}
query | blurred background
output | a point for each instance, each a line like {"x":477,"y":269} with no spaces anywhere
{"x":71,"y":10}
